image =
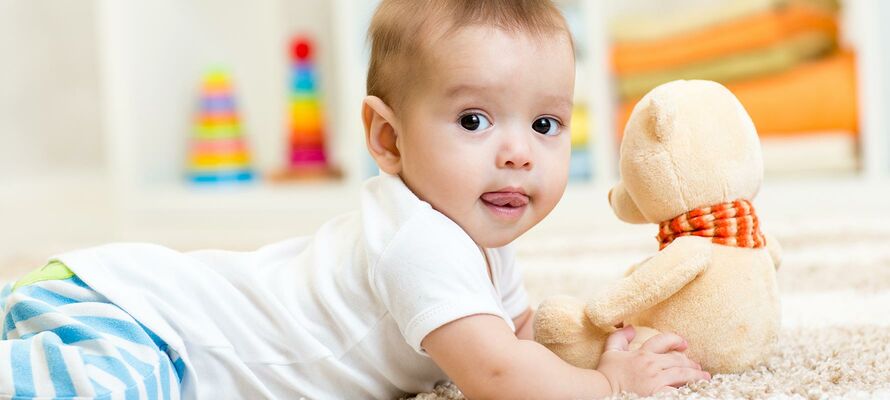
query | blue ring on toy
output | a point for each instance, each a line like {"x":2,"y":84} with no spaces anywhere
{"x":303,"y":78}
{"x":218,"y":103}
{"x":222,"y":177}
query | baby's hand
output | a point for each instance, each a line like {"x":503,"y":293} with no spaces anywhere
{"x":657,"y":366}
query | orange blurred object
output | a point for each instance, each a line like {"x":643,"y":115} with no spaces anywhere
{"x":815,"y":96}
{"x":744,"y":34}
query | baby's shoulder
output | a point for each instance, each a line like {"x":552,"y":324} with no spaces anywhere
{"x":429,"y":240}
{"x":429,"y":228}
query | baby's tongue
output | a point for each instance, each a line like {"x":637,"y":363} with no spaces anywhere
{"x":502,"y":199}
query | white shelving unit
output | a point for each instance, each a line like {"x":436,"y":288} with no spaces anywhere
{"x":154,"y":52}
{"x":865,"y":26}
{"x":153,"y":55}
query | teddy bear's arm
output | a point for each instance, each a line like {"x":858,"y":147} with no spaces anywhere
{"x":633,"y":268}
{"x":775,"y":249}
{"x":652,"y":282}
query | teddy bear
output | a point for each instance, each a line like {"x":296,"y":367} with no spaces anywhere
{"x":690,"y":161}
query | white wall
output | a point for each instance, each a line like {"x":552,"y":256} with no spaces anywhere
{"x":884,"y":15}
{"x":50,"y":118}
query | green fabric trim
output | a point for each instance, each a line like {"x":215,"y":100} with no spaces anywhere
{"x":53,"y":271}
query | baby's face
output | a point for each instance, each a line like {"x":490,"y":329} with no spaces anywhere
{"x":486,"y":140}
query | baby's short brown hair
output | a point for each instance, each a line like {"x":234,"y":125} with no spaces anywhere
{"x":400,"y":29}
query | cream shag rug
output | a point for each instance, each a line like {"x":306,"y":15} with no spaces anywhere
{"x":835,"y":284}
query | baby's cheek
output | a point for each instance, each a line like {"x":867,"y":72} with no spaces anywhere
{"x":549,"y":197}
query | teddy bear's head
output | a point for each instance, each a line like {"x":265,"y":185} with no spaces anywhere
{"x":688,"y":144}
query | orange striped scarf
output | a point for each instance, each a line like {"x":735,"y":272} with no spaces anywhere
{"x":730,"y":224}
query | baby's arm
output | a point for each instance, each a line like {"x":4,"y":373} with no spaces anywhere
{"x":486,"y":360}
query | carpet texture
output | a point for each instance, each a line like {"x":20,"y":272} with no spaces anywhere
{"x":835,"y":285}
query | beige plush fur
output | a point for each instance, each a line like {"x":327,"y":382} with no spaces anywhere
{"x":688,"y":144}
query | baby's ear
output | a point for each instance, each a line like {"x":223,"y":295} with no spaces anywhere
{"x":381,"y":134}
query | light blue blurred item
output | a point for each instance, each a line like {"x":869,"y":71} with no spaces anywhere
{"x":580,"y":165}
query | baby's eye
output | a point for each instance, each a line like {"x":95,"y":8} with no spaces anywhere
{"x":474,"y":122}
{"x":546,"y":126}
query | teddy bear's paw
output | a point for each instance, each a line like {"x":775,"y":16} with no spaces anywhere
{"x":560,"y":319}
{"x":562,"y":327}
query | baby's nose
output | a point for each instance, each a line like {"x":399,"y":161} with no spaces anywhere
{"x":515,"y":154}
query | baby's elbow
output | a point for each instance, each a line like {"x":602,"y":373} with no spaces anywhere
{"x":498,"y":381}
{"x":497,"y":376}
{"x":490,"y":381}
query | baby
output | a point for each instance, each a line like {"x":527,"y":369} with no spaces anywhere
{"x":467,"y":116}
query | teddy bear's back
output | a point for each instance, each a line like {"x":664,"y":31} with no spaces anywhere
{"x":730,"y":314}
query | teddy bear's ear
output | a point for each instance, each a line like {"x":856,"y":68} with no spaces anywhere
{"x":662,"y":115}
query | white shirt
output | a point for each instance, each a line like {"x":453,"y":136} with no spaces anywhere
{"x":337,"y":315}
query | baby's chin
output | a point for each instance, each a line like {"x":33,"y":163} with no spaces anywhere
{"x":494,"y":238}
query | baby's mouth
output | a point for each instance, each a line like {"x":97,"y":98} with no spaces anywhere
{"x":505,"y":199}
{"x":508,"y":204}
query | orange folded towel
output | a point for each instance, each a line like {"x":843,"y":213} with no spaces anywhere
{"x":747,"y":65}
{"x":818,"y":96}
{"x":744,"y":34}
{"x":665,"y":19}
{"x":815,"y":96}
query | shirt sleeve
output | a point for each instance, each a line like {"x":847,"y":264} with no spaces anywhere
{"x":514,"y":297}
{"x":430,"y":274}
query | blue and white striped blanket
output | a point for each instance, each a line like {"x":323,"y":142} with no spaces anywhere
{"x":62,"y":340}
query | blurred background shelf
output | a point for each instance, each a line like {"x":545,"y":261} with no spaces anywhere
{"x":96,"y":109}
